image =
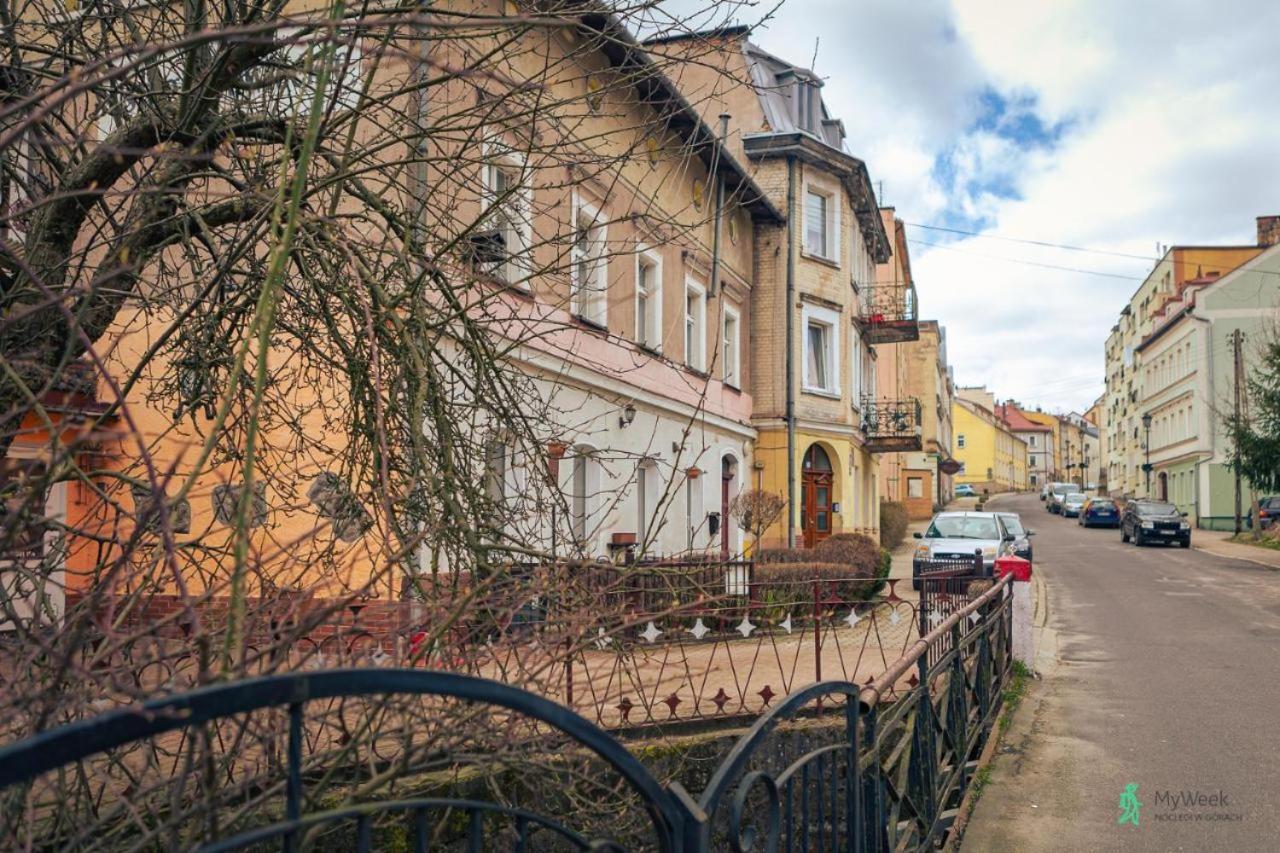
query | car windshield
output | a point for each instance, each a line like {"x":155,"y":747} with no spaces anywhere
{"x":1101,"y":503}
{"x":1061,"y":490}
{"x":1013,"y":524}
{"x":963,"y":527}
{"x":1145,"y":508}
{"x":1075,"y":497}
{"x":1271,"y":503}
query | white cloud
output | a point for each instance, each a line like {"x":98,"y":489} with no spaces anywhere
{"x":1167,"y":144}
{"x":1162,"y":128}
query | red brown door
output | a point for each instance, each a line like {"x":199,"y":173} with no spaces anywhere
{"x":815,"y":496}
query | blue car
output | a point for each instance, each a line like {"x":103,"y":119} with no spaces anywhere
{"x":1099,"y":512}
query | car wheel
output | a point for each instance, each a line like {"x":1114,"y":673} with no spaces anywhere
{"x":1186,"y":543}
{"x":1137,"y":539}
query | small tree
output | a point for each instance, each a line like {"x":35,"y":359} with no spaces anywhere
{"x":755,"y":510}
{"x":1255,"y":438}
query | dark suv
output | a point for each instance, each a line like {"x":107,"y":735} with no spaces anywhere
{"x":1145,"y":522}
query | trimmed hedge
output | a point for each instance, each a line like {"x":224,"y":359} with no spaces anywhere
{"x":851,"y":567}
{"x":893,"y":523}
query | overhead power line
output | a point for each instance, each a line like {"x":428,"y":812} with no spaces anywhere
{"x":1045,"y":243}
{"x":1027,"y":263}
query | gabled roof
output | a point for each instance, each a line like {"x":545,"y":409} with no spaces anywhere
{"x":1017,"y":421}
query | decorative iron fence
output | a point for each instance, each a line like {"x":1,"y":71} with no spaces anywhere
{"x":367,"y":759}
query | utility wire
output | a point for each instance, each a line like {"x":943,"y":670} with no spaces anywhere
{"x":1043,"y":243}
{"x":1028,"y":263}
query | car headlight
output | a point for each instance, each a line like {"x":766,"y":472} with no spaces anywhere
{"x":1184,"y":526}
{"x":1148,"y":525}
{"x":989,"y":551}
{"x":922,"y":552}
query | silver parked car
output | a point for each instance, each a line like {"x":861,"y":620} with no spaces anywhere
{"x":957,"y":535}
{"x":1072,"y":504}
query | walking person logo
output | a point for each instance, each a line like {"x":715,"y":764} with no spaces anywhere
{"x":1129,"y":805}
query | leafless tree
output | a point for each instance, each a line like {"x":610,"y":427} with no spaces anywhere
{"x":261,"y":269}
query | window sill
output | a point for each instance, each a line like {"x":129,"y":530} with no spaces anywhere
{"x":648,"y":350}
{"x":825,"y":261}
{"x":731,"y":386}
{"x":590,"y":324}
{"x":820,"y":392}
{"x":698,"y":372}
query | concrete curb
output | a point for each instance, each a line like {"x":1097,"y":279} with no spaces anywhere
{"x":1214,"y":553}
{"x":965,"y":809}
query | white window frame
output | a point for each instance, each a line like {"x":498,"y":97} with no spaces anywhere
{"x":589,"y":300}
{"x":814,"y":315}
{"x":652,"y":338}
{"x":731,"y":348}
{"x":695,"y":355}
{"x":960,"y":441}
{"x":855,"y":371}
{"x":502,"y":158}
{"x":831,"y":225}
{"x":583,"y":490}
{"x":648,"y":496}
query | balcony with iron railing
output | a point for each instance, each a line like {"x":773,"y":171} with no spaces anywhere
{"x":888,"y":313}
{"x":892,"y":426}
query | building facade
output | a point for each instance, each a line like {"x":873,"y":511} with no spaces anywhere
{"x":1039,"y":441}
{"x":993,"y":459}
{"x":1125,"y":434}
{"x":819,"y":309}
{"x":1187,"y":385}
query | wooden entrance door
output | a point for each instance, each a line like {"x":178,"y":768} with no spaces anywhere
{"x":815,"y":496}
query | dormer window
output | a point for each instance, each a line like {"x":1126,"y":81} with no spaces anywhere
{"x":807,"y":108}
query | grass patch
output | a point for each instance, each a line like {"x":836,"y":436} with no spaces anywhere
{"x":1269,"y":542}
{"x":1014,"y":691}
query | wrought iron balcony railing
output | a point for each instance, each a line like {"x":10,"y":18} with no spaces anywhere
{"x":889,"y":313}
{"x":892,"y":426}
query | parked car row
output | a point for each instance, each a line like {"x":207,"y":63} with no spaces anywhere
{"x":1142,"y":522}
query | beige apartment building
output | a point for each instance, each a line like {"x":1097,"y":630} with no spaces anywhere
{"x":819,"y":309}
{"x":926,"y":376}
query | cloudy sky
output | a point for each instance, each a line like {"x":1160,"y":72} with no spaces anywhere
{"x":1111,"y":125}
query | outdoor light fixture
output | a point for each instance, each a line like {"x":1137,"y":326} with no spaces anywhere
{"x":628,"y":415}
{"x":1146,"y":445}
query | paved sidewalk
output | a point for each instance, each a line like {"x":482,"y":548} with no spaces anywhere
{"x":1217,"y":543}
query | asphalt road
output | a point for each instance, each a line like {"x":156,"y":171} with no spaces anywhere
{"x":1167,"y":675}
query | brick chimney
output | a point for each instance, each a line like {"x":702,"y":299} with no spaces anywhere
{"x":1268,"y":231}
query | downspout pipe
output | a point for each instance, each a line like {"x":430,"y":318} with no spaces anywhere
{"x":714,"y":285}
{"x":789,"y":313}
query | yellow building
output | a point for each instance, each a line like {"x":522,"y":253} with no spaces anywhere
{"x":994,"y":459}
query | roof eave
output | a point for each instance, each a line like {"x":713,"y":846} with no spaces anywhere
{"x":851,"y":170}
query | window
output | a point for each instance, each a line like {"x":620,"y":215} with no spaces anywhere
{"x":583,"y":485}
{"x":588,"y":270}
{"x":648,"y":300}
{"x":821,"y":371}
{"x":647,"y":494}
{"x":855,"y":347}
{"x":960,"y":440}
{"x":692,"y":506}
{"x":1033,"y":460}
{"x":506,"y":200}
{"x":820,"y":223}
{"x":695,"y":326}
{"x":730,"y":348}
{"x":1033,"y":442}
{"x":915,"y":487}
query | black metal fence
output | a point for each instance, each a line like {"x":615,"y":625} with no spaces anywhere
{"x":369,"y":759}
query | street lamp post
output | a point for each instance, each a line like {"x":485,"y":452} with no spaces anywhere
{"x":1146,"y":445}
